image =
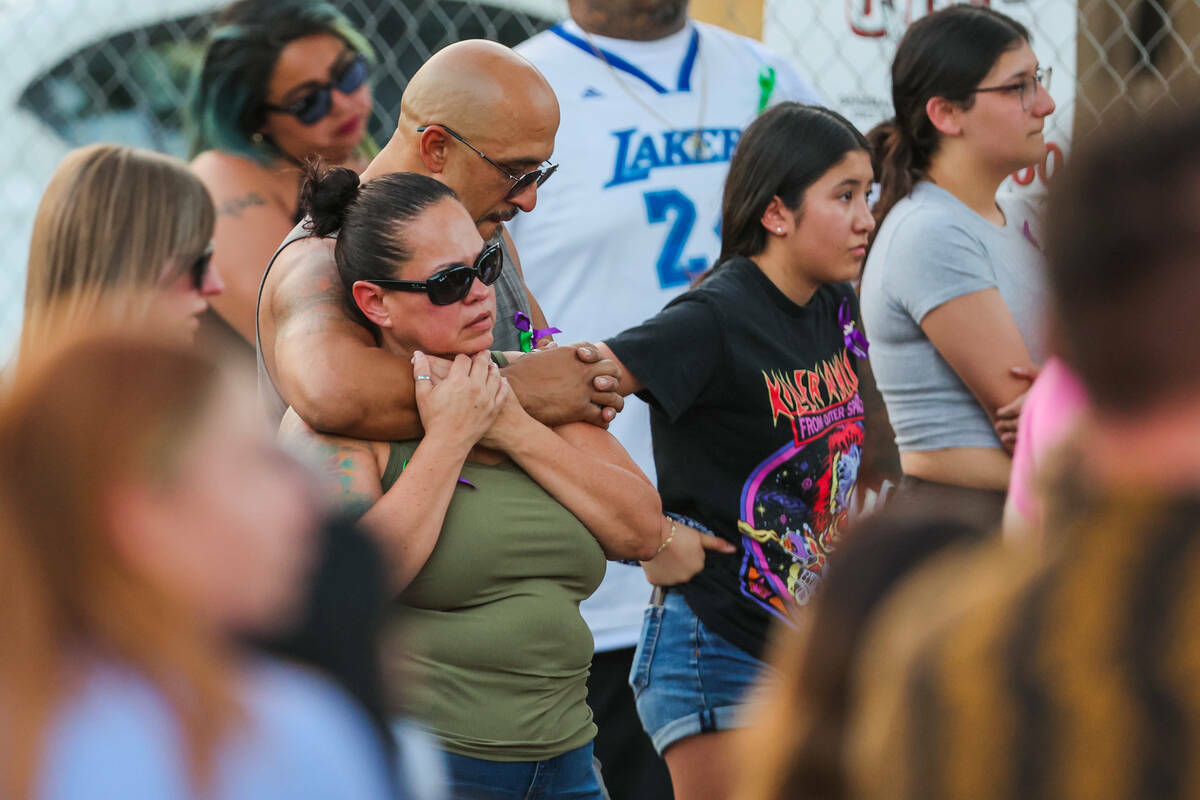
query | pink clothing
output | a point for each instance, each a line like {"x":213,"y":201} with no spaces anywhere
{"x":1053,"y":405}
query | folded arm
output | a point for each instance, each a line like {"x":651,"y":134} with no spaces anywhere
{"x":320,"y":350}
{"x":978,"y":337}
{"x":326,"y":364}
{"x":586,"y":470}
{"x":407,"y":518}
{"x":945,"y":278}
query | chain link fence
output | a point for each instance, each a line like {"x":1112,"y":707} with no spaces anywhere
{"x":82,"y":71}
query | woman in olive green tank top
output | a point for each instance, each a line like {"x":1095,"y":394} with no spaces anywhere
{"x":496,"y":526}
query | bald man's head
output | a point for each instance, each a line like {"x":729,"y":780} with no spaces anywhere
{"x":477,"y":80}
{"x":499,"y":103}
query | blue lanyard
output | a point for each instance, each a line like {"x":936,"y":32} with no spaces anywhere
{"x":616,"y":62}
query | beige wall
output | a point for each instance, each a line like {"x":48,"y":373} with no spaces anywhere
{"x":740,"y":16}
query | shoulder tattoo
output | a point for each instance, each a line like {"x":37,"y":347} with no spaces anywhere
{"x":337,"y":461}
{"x":316,"y":301}
{"x":234,"y":206}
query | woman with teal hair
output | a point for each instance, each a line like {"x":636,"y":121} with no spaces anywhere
{"x":281,"y":82}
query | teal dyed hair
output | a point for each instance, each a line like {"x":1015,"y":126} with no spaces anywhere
{"x":225,"y":105}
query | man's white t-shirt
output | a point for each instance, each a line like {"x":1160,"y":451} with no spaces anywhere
{"x":633,"y":213}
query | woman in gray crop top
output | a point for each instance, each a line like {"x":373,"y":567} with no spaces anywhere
{"x":952,"y":288}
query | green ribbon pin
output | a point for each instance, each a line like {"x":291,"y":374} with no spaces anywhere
{"x":766,"y":86}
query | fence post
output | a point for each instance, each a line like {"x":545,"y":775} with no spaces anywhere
{"x":740,"y":16}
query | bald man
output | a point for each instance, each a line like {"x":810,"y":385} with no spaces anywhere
{"x":482,"y":120}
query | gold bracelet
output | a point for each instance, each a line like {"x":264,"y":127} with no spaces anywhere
{"x":666,"y":541}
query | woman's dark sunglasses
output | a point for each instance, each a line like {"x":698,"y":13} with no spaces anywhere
{"x":199,"y":268}
{"x":519,"y":182}
{"x":314,"y":105}
{"x":452,"y":284}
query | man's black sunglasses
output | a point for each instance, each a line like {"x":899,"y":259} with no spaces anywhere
{"x":314,"y":105}
{"x":199,"y":268}
{"x":520,"y":182}
{"x":452,"y":284}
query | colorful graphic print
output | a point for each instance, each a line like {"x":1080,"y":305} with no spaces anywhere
{"x":794,"y":503}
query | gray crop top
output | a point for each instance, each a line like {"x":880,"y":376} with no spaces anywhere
{"x":930,"y":249}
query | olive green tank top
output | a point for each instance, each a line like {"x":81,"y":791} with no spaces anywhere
{"x":491,"y":653}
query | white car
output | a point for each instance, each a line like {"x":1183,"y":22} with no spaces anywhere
{"x":83,"y":71}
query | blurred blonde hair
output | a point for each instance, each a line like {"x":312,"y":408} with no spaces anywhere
{"x":114,"y":223}
{"x":76,"y":425}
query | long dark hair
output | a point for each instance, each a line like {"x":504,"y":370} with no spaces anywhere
{"x":945,"y":54}
{"x":781,"y":153}
{"x":370,"y":219}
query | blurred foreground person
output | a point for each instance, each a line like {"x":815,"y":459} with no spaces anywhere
{"x":145,"y":525}
{"x":1044,"y":454}
{"x":794,"y":746}
{"x":121,"y":234}
{"x":121,"y":239}
{"x":998,"y":675}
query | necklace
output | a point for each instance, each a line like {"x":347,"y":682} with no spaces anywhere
{"x":694,"y":143}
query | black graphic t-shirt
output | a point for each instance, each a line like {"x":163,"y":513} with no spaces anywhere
{"x":758,"y":434}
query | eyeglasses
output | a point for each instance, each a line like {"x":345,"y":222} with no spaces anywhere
{"x":315,"y":104}
{"x":520,"y":182}
{"x":199,"y":269}
{"x":452,"y":284}
{"x":1027,"y":86}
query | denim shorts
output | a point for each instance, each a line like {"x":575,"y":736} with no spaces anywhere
{"x":685,"y":678}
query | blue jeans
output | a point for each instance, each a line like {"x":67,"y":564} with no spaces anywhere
{"x":572,"y":776}
{"x":685,"y":678}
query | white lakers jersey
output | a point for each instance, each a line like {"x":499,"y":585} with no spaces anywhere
{"x":633,"y":213}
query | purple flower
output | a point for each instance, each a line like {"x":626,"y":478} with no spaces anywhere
{"x":856,"y":341}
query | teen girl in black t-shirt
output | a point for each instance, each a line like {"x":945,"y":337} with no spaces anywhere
{"x":758,"y":427}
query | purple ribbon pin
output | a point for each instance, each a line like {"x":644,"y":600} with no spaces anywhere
{"x":1029,"y":235}
{"x":529,"y":334}
{"x":856,"y":342}
{"x":463,"y":481}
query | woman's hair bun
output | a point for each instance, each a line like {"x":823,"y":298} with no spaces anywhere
{"x":326,"y":195}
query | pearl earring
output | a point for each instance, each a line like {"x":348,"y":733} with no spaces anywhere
{"x":779,"y":230}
